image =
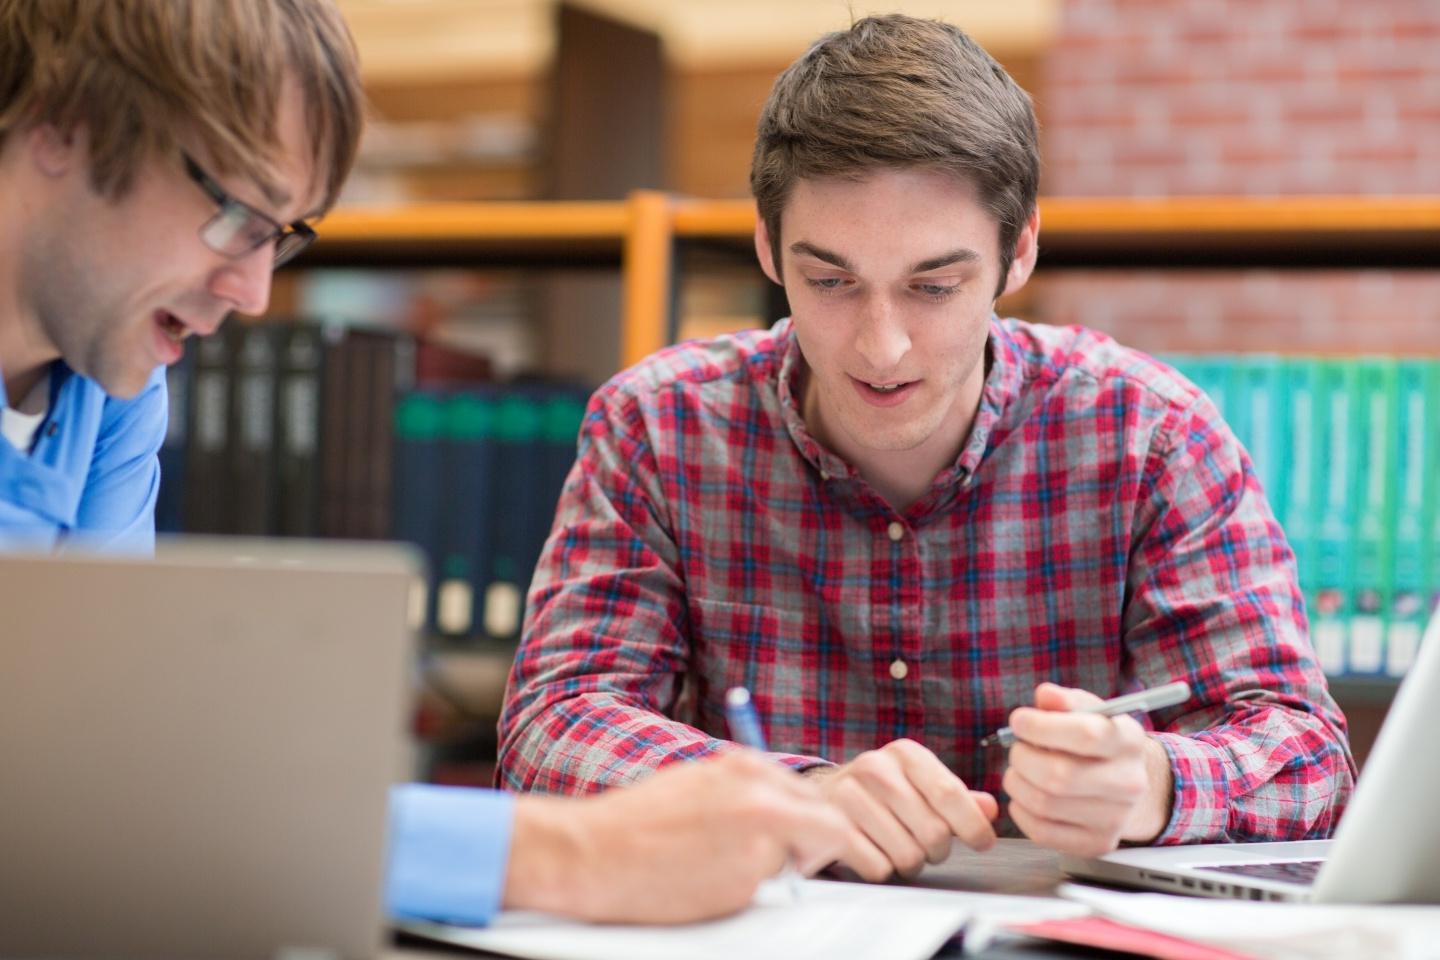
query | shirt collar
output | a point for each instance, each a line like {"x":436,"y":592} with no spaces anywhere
{"x":1002,"y":384}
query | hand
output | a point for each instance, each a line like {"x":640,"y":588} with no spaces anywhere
{"x":691,"y":842}
{"x":1080,"y":783}
{"x":909,"y":805}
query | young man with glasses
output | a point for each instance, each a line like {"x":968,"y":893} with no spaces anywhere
{"x":158,"y":159}
{"x":118,"y":240}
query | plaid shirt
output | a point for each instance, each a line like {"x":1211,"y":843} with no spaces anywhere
{"x":1101,"y":528}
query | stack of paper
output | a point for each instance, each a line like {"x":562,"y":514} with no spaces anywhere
{"x":1274,"y":931}
{"x":827,"y":919}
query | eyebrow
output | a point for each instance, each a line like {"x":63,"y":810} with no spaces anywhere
{"x":960,"y":255}
{"x":805,"y":248}
{"x":280,"y":198}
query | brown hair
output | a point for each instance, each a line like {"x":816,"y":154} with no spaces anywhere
{"x":140,"y":75}
{"x":899,"y":91}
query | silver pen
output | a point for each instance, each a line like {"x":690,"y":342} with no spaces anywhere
{"x":1142,"y":701}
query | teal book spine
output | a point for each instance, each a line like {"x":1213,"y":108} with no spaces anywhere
{"x":1416,"y":440}
{"x":1261,"y":396}
{"x":1232,"y":382}
{"x":1431,"y":517}
{"x":1300,"y":446}
{"x":1376,"y":420}
{"x":1336,"y":442}
{"x":1217,"y":380}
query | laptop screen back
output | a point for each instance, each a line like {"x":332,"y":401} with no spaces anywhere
{"x":196,"y":751}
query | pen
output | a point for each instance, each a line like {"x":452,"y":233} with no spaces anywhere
{"x":1141,"y":701}
{"x":745,"y":728}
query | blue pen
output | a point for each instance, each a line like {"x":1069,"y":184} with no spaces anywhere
{"x":745,"y":728}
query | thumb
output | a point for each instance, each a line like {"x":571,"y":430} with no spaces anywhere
{"x":987,"y":803}
{"x":1052,"y":696}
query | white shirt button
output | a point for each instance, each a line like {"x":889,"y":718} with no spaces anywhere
{"x":899,"y":669}
{"x":896,"y":530}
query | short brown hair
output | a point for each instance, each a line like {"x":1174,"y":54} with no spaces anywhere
{"x":899,"y":91}
{"x":140,"y":75}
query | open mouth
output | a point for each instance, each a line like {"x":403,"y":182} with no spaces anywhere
{"x":171,"y":326}
{"x":885,"y":394}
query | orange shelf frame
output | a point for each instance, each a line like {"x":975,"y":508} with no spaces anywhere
{"x":641,"y":232}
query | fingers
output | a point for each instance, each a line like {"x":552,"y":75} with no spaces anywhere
{"x":1104,"y":814}
{"x":796,"y":818}
{"x":1081,"y":734}
{"x":910,"y":807}
{"x":1074,"y":788}
{"x":902,"y":852}
{"x":989,"y":806}
{"x":1061,"y":774}
{"x":1064,"y":837}
{"x":946,"y":795}
{"x":1052,"y":696}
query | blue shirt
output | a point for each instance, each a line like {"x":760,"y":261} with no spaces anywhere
{"x":90,"y":479}
{"x":92,"y":474}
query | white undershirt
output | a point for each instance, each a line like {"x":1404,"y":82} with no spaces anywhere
{"x":19,"y":425}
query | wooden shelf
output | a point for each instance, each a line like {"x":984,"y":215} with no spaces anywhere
{"x":558,"y":234}
{"x":1363,"y":691}
{"x":639,"y":235}
{"x":1186,"y":231}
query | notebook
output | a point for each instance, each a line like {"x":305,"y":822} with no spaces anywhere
{"x":196,"y":751}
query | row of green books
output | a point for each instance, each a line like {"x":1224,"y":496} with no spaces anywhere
{"x":478,"y":472}
{"x":1348,"y":453}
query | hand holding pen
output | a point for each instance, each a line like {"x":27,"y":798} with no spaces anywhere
{"x":1083,"y":775}
{"x":1142,"y":701}
{"x":744,"y":726}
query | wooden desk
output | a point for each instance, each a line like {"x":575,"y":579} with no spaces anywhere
{"x":1014,"y":867}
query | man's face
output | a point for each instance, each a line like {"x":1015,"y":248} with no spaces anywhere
{"x":891,"y":281}
{"x":116,"y":286}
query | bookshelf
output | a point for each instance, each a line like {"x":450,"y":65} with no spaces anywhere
{"x":641,"y":234}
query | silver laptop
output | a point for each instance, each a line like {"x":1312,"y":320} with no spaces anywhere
{"x":1383,"y":852}
{"x":196,"y":751}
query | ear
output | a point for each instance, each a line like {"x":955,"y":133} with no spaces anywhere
{"x":1027,"y":248}
{"x":55,"y":151}
{"x":765,"y":253}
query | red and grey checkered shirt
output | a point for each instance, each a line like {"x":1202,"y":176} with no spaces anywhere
{"x":1102,"y":529}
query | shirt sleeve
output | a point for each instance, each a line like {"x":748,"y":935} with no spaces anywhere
{"x":449,"y":848}
{"x":117,"y":506}
{"x":1260,"y":751}
{"x":606,"y":645}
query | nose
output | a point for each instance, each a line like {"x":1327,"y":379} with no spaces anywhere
{"x":244,"y":282}
{"x":882,"y":340}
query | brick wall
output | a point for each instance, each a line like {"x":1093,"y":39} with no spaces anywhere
{"x":1246,"y":97}
{"x":1280,"y":311}
{"x":1243,"y":97}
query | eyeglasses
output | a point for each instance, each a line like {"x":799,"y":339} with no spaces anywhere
{"x":238,"y":229}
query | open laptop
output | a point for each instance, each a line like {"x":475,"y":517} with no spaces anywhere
{"x":196,"y":751}
{"x":1383,"y":852}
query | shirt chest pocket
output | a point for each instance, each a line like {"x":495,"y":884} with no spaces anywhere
{"x":771,"y":652}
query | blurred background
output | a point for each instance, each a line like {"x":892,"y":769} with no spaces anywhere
{"x":423,"y":370}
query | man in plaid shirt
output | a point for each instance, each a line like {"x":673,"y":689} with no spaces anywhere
{"x":902,"y":522}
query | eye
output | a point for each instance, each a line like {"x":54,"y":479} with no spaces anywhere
{"x":939,"y":292}
{"x":827,"y":284}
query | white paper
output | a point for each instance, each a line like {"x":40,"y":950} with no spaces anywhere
{"x":829,"y":919}
{"x":1276,"y":931}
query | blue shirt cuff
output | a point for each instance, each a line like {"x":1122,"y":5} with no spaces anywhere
{"x":448,"y":851}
